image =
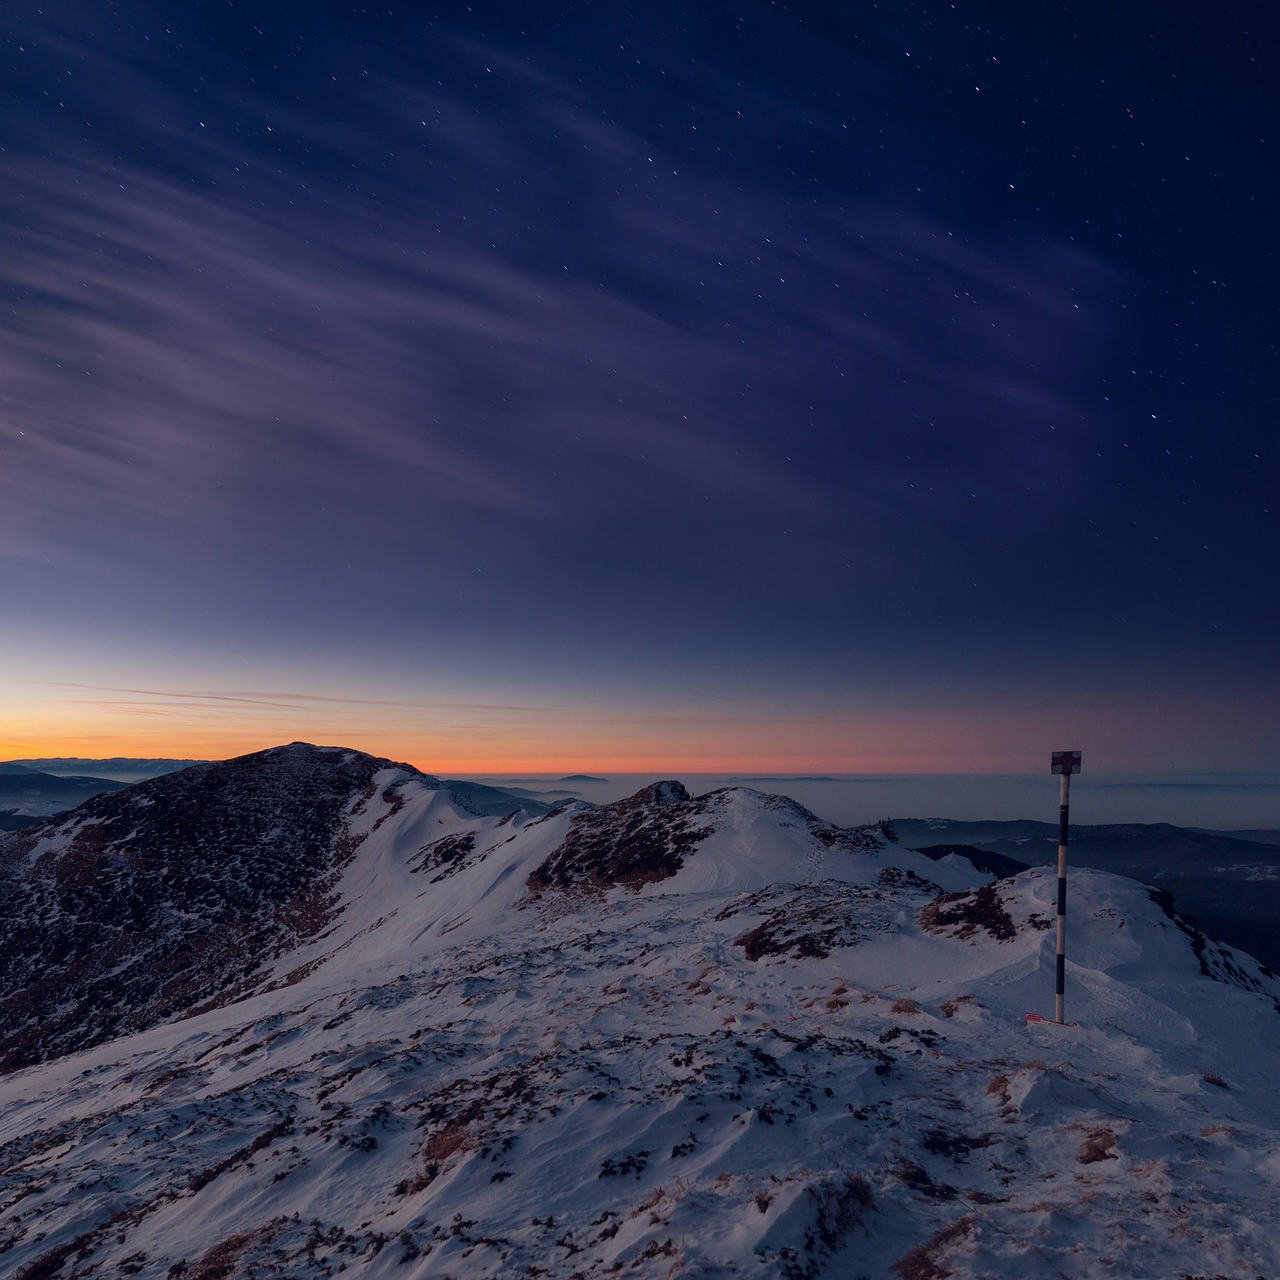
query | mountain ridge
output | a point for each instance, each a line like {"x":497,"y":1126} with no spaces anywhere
{"x":126,"y":769}
{"x":784,"y":1050}
{"x":27,"y":795}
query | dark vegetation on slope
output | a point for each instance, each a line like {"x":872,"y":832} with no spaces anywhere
{"x":143,"y":903}
{"x":962,"y":914}
{"x":825,"y":916}
{"x":647,"y":837}
{"x":631,"y":842}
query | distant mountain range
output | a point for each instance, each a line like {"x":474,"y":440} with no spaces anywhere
{"x":118,"y":768}
{"x":28,"y":795}
{"x":314,"y":1013}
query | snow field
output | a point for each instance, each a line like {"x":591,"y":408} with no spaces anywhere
{"x":465,"y":1079}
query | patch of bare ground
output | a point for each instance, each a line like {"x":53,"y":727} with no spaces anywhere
{"x":955,"y":1146}
{"x":633,"y":842}
{"x":828,"y":915}
{"x":963,"y":914}
{"x":840,"y":1205}
{"x":446,"y":855}
{"x":449,"y":1140}
{"x":222,"y":1262}
{"x":923,"y":1263}
{"x":918,"y":1179}
{"x":1098,"y":1146}
{"x":477,"y":1113}
{"x":393,"y":798}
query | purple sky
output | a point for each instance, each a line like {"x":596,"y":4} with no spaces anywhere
{"x":789,"y":385}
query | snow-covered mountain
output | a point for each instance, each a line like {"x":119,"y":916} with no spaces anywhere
{"x":153,"y":901}
{"x":357,"y":1026}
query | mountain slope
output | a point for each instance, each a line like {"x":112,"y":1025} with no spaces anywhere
{"x":143,"y":903}
{"x":673,"y":1036}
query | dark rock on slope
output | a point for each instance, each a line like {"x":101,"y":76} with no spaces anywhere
{"x":649,"y":836}
{"x":142,"y":904}
{"x":630,"y":842}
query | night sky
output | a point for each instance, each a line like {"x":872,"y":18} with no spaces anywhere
{"x":807,"y":385}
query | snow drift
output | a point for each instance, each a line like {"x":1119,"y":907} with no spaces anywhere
{"x":671,"y":1036}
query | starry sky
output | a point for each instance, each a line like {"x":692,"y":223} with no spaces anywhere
{"x":804,"y":386}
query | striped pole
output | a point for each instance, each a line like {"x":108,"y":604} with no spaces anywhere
{"x":1060,"y":981}
{"x":1065,"y":763}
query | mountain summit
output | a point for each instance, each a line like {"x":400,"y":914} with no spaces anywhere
{"x":310,"y":1012}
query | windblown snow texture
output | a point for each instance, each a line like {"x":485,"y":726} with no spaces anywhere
{"x":309,"y":1013}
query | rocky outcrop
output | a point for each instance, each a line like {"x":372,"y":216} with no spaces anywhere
{"x":632,"y":842}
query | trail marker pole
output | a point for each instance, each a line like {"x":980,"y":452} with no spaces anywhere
{"x":1064,"y":763}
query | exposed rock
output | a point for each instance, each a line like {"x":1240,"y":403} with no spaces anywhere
{"x":964,"y":913}
{"x":632,"y":842}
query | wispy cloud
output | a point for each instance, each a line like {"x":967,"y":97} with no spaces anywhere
{"x":440,"y":361}
{"x":289,"y":701}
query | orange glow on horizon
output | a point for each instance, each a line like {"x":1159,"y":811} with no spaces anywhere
{"x":466,"y":738}
{"x":980,"y":733}
{"x":439,"y":765}
{"x":522,"y":757}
